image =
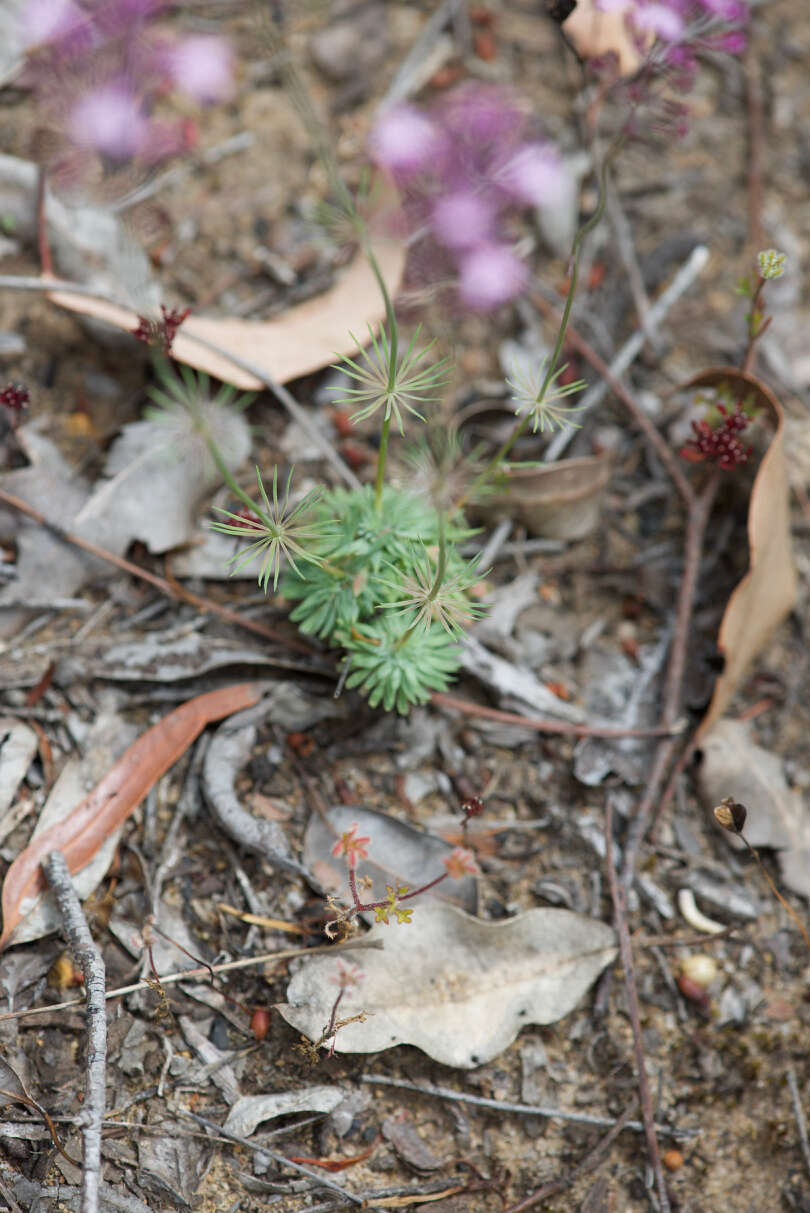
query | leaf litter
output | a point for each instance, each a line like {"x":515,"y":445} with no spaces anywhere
{"x":457,"y":987}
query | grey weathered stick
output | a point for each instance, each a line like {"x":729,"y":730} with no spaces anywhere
{"x":627,"y":355}
{"x":798,"y":1112}
{"x":91,"y":964}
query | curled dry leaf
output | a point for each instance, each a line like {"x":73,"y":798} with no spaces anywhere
{"x":250,"y":1110}
{"x":767,"y":592}
{"x":458,"y":988}
{"x":79,"y":835}
{"x":397,"y":852}
{"x":301,"y":340}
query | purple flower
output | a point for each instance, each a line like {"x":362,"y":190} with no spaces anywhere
{"x":403,"y":141}
{"x":202,"y":67}
{"x":110,"y":121}
{"x":45,"y":21}
{"x":535,"y":175}
{"x":660,"y":20}
{"x":489,"y":276}
{"x":461,"y":221}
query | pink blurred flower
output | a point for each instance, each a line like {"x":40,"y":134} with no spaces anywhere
{"x":489,"y":276}
{"x":535,"y":175}
{"x":659,"y":20}
{"x":403,"y":141}
{"x":461,"y":221}
{"x":202,"y":67}
{"x":460,"y":863}
{"x":50,"y":20}
{"x":110,"y":121}
{"x":351,"y":845}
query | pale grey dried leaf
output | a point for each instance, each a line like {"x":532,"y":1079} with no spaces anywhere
{"x":403,"y":1135}
{"x":209,"y":554}
{"x":157,"y":474}
{"x":398,"y":853}
{"x":249,"y":1111}
{"x":18,"y":745}
{"x":106,"y":740}
{"x":170,"y":1169}
{"x":165,"y":656}
{"x":454,"y":986}
{"x":515,"y":685}
{"x":218,"y":1067}
{"x":291,"y":710}
{"x":619,"y":693}
{"x":733,"y":765}
{"x":89,"y":244}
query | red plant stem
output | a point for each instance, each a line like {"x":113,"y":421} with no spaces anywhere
{"x":698,"y":513}
{"x":626,"y":952}
{"x":375,"y":905}
{"x":539,"y":723}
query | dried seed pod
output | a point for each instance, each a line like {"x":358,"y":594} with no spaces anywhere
{"x":260,"y":1022}
{"x":700,"y":968}
{"x":731,"y":815}
{"x":693,"y":992}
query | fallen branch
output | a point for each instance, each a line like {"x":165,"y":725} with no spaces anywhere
{"x":91,"y":964}
{"x":171,"y":590}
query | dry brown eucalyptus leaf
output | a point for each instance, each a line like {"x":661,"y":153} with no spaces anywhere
{"x":301,"y":340}
{"x":767,"y":592}
{"x":455,"y":986}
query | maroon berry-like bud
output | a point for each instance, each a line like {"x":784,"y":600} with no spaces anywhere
{"x":162,"y":332}
{"x":14,"y":397}
{"x":720,"y":444}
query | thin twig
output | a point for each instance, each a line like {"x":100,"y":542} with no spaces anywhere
{"x":699,"y":508}
{"x":166,"y":979}
{"x":627,"y":355}
{"x":626,"y":951}
{"x":593,"y":1159}
{"x":176,"y":591}
{"x":645,"y":423}
{"x":798,"y":1112}
{"x":89,"y":959}
{"x":523,"y":1109}
{"x":453,"y":703}
{"x":320,"y":1179}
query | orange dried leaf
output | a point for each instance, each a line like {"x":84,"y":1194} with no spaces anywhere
{"x":79,"y":835}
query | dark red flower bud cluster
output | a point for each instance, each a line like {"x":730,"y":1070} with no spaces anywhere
{"x":14,"y":397}
{"x":161,"y":332}
{"x":720,"y":444}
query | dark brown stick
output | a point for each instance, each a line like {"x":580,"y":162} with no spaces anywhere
{"x":176,"y":591}
{"x":626,"y":952}
{"x":699,"y":510}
